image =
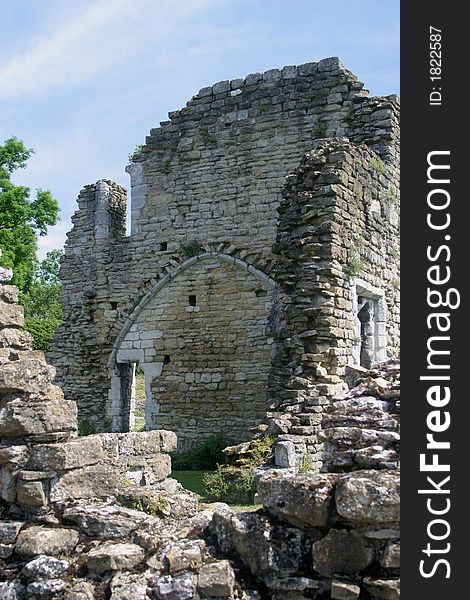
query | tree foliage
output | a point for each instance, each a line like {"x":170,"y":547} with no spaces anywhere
{"x":42,"y":308}
{"x":22,"y":218}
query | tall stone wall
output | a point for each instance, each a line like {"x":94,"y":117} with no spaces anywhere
{"x":337,"y":242}
{"x":208,"y":181}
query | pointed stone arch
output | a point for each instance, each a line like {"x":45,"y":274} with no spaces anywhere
{"x":133,"y":344}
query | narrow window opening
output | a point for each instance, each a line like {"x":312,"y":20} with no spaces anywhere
{"x":163,"y":246}
{"x":166,"y":359}
{"x":114,"y":305}
{"x":365,"y":316}
{"x":192,"y":300}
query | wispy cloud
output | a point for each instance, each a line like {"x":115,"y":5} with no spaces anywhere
{"x":108,"y":33}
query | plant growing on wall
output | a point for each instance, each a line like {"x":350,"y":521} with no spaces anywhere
{"x":192,"y":248}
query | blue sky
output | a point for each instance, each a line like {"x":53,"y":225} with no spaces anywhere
{"x":82,"y":82}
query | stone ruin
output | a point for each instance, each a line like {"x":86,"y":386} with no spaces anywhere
{"x":256,"y":304}
{"x":261,"y":264}
{"x":77,"y":524}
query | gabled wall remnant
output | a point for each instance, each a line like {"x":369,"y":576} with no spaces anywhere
{"x":238,"y":305}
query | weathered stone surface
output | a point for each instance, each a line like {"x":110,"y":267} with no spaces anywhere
{"x":11,"y":315}
{"x":341,"y":590}
{"x":183,"y":555}
{"x":9,"y":293}
{"x":45,"y":589}
{"x":12,"y":590}
{"x":82,"y":590}
{"x":15,"y":338}
{"x":107,"y":521}
{"x":68,"y":455}
{"x":16,"y":456}
{"x":216,"y":580}
{"x":29,"y":375}
{"x":284,"y":454}
{"x":125,"y":586}
{"x":6,"y":550}
{"x":114,"y":557}
{"x":369,"y":497}
{"x":93,"y":481}
{"x":340,"y":551}
{"x":391,"y":557}
{"x":383,"y":589}
{"x":9,"y":531}
{"x":20,"y":418}
{"x":45,"y":567}
{"x":30,"y":493}
{"x":266,"y":548}
{"x":37,"y":540}
{"x":175,"y":588}
{"x":305,"y":500}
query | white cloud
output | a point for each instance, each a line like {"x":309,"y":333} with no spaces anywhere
{"x":108,"y":34}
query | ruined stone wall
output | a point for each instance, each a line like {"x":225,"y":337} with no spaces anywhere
{"x":207,"y":181}
{"x":337,"y":240}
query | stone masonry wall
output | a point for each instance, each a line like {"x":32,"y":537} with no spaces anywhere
{"x":207,"y":181}
{"x":337,"y":239}
{"x":203,"y":342}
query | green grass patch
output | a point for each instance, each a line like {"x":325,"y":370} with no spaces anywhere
{"x":191,"y":480}
{"x":206,"y":456}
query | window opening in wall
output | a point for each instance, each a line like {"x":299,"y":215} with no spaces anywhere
{"x":192,"y":300}
{"x":370,"y":309}
{"x":166,"y":359}
{"x":114,"y":305}
{"x":261,"y":293}
{"x":163,"y":246}
{"x":365,"y":316}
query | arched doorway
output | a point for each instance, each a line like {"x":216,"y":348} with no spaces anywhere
{"x":203,"y":339}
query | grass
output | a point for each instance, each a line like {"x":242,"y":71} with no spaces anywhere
{"x":191,"y":480}
{"x":194,"y":482}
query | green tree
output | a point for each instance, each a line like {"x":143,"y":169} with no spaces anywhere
{"x":42,"y":308}
{"x":22,"y":218}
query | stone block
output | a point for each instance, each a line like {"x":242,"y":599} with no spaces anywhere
{"x":369,"y":497}
{"x":9,"y":294}
{"x":182,"y":587}
{"x":340,"y":590}
{"x":216,"y":580}
{"x":114,"y":557}
{"x":15,"y":338}
{"x":37,"y":540}
{"x":94,"y":481}
{"x":29,"y":375}
{"x":30,"y":493}
{"x":9,"y":531}
{"x":11,"y":315}
{"x":391,"y":557}
{"x":160,"y":466}
{"x":183,"y":555}
{"x":340,"y":551}
{"x":68,"y":455}
{"x":284,"y":454}
{"x":20,"y":418}
{"x":304,"y":500}
{"x":383,"y":589}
